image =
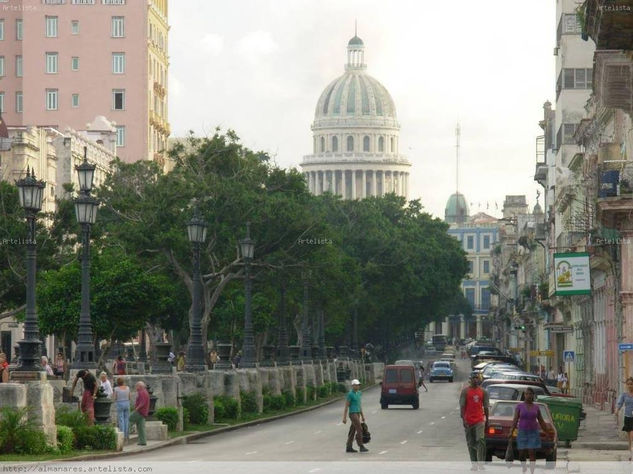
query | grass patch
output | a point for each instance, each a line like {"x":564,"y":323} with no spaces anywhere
{"x":47,"y":457}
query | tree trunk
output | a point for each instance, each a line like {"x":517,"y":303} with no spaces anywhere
{"x":296,"y":322}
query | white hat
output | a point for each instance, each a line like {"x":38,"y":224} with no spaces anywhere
{"x":355,"y":382}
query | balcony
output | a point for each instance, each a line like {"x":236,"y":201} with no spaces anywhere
{"x":540,"y":175}
{"x":615,"y":192}
{"x":613,"y":79}
{"x":609,"y":23}
{"x":159,"y":90}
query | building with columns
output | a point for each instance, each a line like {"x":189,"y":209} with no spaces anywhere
{"x":356,"y":136}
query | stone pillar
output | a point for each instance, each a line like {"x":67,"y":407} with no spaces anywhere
{"x":344,"y":184}
{"x":479,"y":326}
{"x":354,"y":194}
{"x":445,"y":326}
{"x":406,"y":185}
{"x":374,"y":185}
{"x":432,"y":328}
{"x":363,"y":191}
{"x":462,"y":327}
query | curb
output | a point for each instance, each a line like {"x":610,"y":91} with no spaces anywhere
{"x":203,"y":434}
{"x":601,"y":445}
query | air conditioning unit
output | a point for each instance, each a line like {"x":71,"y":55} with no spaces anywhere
{"x":556,"y":51}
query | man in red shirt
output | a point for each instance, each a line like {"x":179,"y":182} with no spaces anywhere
{"x":141,"y":411}
{"x":473,"y":403}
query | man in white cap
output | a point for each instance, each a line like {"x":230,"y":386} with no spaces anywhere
{"x":353,"y":406}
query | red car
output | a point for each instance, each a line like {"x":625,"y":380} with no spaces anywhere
{"x":498,"y":430}
{"x":399,"y":387}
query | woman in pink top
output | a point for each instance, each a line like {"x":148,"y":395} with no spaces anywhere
{"x":528,"y":416}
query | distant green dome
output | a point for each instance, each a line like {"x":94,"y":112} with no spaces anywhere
{"x":456,"y":211}
{"x":355,"y":41}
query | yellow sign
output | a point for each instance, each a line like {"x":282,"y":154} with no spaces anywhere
{"x":542,"y":353}
{"x":515,"y":349}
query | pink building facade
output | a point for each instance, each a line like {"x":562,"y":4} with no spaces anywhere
{"x":66,"y":61}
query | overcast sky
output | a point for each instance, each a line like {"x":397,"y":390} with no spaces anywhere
{"x":259,"y":67}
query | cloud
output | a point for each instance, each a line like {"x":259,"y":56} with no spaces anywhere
{"x":212,"y":44}
{"x":255,"y":45}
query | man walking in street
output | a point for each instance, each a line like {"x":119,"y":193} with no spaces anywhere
{"x":141,"y":411}
{"x":473,"y":403}
{"x":353,"y":406}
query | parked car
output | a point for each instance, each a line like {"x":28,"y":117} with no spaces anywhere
{"x":499,"y":424}
{"x":441,"y":370}
{"x":404,"y":362}
{"x":509,"y":375}
{"x":399,"y":386}
{"x":489,"y":369}
{"x":509,"y":391}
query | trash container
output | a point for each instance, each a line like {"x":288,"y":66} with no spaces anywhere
{"x":566,"y":415}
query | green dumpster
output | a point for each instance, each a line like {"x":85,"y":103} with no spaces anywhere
{"x":566,"y":415}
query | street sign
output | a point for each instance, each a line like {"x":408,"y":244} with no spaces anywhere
{"x":564,"y":329}
{"x":568,"y":356}
{"x":626,"y":346}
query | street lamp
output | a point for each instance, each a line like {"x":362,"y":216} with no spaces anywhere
{"x":247,"y":246}
{"x":197,"y":231}
{"x":86,"y":214}
{"x":306,"y":347}
{"x":30,"y":191}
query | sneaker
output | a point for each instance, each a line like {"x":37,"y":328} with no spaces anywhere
{"x":350,"y":450}
{"x":363,"y":449}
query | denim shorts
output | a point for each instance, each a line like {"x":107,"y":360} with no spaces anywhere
{"x":528,"y":439}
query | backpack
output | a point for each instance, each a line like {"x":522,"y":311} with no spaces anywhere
{"x":366,"y":433}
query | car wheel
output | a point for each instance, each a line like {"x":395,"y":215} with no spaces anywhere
{"x":450,"y":380}
{"x":416,"y":404}
{"x":430,"y":379}
{"x":488,"y":455}
{"x":550,"y":460}
{"x":384,"y":406}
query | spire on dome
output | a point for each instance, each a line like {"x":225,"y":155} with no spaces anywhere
{"x":355,"y":52}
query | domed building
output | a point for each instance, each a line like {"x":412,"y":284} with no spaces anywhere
{"x":356,"y":136}
{"x":456,"y":211}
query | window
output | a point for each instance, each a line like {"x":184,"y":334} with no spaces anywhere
{"x":471,"y":267}
{"x":577,"y":78}
{"x":1,"y":30}
{"x":118,"y":99}
{"x":118,"y":63}
{"x":350,"y":143}
{"x":51,"y":27}
{"x":51,"y":63}
{"x":381,"y":144}
{"x":19,"y":32}
{"x":113,"y":2}
{"x":366,"y":144}
{"x":485,"y":298}
{"x":19,"y":102}
{"x":470,"y":242}
{"x":565,"y":135}
{"x":83,"y":2}
{"x":406,"y":376}
{"x":321,"y":141}
{"x":51,"y":99}
{"x":334,"y":143}
{"x":74,"y":63}
{"x":54,"y":2}
{"x":18,"y":66}
{"x":470,"y":296}
{"x":486,"y":268}
{"x":1,"y":102}
{"x":1,"y":66}
{"x":571,"y":25}
{"x":393,"y":145}
{"x":74,"y":27}
{"x":120,"y":135}
{"x":118,"y":27}
{"x":75,"y":100}
{"x":486,"y":244}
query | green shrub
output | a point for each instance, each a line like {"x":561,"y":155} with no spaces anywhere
{"x":324,"y":391}
{"x":289,"y":399}
{"x":198,"y":407}
{"x":186,"y":419}
{"x":218,"y":408}
{"x":310,"y":392}
{"x":300,"y":396}
{"x":277,"y":402}
{"x":249,"y":402}
{"x":30,"y":441}
{"x":99,"y":437}
{"x":267,"y":401}
{"x":12,"y":422}
{"x":169,"y":416}
{"x":230,"y":406}
{"x":341,"y":388}
{"x":65,"y":439}
{"x":72,"y":418}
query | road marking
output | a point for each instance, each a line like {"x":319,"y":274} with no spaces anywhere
{"x":443,"y":417}
{"x":383,"y":452}
{"x":403,"y":442}
{"x":317,"y":432}
{"x":251,"y":452}
{"x":288,"y":442}
{"x":420,"y":432}
{"x":316,"y":469}
{"x":432,"y":423}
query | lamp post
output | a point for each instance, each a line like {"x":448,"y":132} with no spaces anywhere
{"x":306,"y":347}
{"x":86,"y":214}
{"x":30,"y":192}
{"x":247,"y":246}
{"x":197,"y":231}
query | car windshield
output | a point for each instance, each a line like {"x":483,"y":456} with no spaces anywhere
{"x":391,"y":376}
{"x":499,"y":392}
{"x":441,"y":365}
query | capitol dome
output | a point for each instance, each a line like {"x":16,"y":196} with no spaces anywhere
{"x":356,"y":136}
{"x":456,"y":211}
